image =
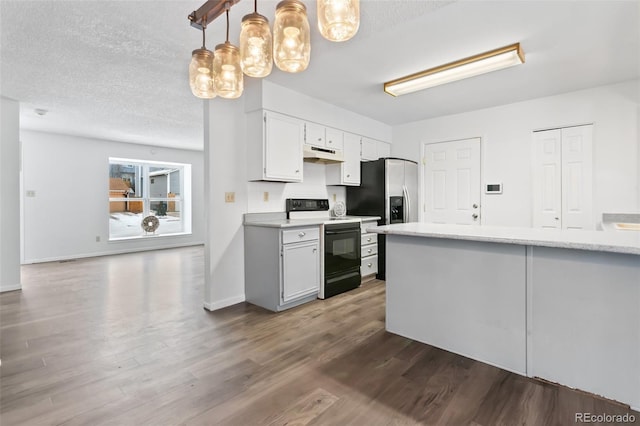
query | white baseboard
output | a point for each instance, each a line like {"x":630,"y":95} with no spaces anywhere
{"x":13,"y":287}
{"x":109,"y":253}
{"x":224,"y":302}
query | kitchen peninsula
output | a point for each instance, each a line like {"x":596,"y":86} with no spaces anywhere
{"x":560,"y":305}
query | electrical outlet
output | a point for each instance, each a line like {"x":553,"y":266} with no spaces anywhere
{"x":31,"y":193}
{"x":97,"y":238}
{"x":265,"y":196}
{"x":229,"y":197}
{"x":334,"y":198}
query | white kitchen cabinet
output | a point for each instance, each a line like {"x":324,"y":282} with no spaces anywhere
{"x":323,"y":137}
{"x":384,"y":149}
{"x":274,"y":147}
{"x":369,"y":149}
{"x":347,"y":172}
{"x":282,"y":266}
{"x":300,"y":270}
{"x":372,"y":149}
{"x":368,"y":250}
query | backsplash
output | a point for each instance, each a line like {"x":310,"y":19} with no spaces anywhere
{"x":314,"y":186}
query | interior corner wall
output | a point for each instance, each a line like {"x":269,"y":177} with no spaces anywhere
{"x":69,"y":177}
{"x":506,"y":133}
{"x":225,"y":172}
{"x":10,"y":195}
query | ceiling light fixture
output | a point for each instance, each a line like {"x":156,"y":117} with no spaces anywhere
{"x":493,"y":60}
{"x":338,"y":20}
{"x":227,"y":71}
{"x":201,"y":71}
{"x":289,"y":46}
{"x":256,"y":44}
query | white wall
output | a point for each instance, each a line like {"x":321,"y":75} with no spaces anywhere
{"x":225,"y":171}
{"x":70,"y":177}
{"x":9,"y":195}
{"x":506,"y":133}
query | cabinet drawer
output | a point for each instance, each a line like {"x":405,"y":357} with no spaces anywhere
{"x":369,"y":265}
{"x":300,"y":234}
{"x":368,"y":224}
{"x":369,"y":250}
{"x":366,"y":239}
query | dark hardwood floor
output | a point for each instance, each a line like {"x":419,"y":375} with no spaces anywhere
{"x":124,"y":340}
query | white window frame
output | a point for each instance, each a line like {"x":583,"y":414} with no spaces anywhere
{"x":184,"y":200}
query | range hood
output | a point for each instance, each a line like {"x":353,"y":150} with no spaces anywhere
{"x":314,"y":154}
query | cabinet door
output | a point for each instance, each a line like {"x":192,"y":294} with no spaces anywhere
{"x":314,"y":135}
{"x":283,"y":148}
{"x":351,"y":165}
{"x":300,"y":270}
{"x":334,"y":138}
{"x":369,"y":149}
{"x":384,"y":149}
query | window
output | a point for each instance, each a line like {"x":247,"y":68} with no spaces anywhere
{"x":138,"y":189}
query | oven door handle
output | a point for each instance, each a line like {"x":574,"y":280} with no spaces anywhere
{"x":346,"y":231}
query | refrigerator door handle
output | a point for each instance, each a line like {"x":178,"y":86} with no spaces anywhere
{"x":407,"y":206}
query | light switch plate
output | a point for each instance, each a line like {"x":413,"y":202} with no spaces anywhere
{"x":265,"y":196}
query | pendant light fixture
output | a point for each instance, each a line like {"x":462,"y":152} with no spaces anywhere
{"x":338,"y":20}
{"x":291,"y":38}
{"x":256,"y":44}
{"x":201,"y":71}
{"x":227,"y":70}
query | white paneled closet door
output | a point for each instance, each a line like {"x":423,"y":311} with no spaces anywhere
{"x":547,"y":179}
{"x":562,"y":178}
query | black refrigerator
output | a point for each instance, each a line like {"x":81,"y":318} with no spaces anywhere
{"x":389,"y":189}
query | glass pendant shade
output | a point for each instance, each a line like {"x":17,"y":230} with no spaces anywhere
{"x":201,"y":74}
{"x":338,"y":20}
{"x":256,"y":46}
{"x":291,"y":37}
{"x":227,"y":71}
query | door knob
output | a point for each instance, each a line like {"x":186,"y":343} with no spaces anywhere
{"x":475,"y":206}
{"x":474,"y":216}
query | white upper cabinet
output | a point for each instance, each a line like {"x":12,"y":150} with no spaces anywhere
{"x":334,"y":138}
{"x":323,"y":137}
{"x":348,"y":172}
{"x":372,"y":149}
{"x":384,"y":149}
{"x":274,"y":147}
{"x":369,"y":149}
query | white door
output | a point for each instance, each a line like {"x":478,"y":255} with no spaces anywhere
{"x":300,"y":270}
{"x":451,"y":176}
{"x":283,"y":150}
{"x":547,"y":179}
{"x":577,"y":184}
{"x":562,"y":178}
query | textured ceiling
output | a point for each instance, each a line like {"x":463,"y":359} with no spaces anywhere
{"x":118,"y":69}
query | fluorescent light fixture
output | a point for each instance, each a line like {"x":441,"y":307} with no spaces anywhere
{"x":493,"y":60}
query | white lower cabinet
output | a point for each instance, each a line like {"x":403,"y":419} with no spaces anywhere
{"x":282,"y":266}
{"x":300,"y":270}
{"x":368,"y":250}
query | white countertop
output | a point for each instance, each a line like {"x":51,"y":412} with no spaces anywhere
{"x":607,"y":241}
{"x":292,"y":223}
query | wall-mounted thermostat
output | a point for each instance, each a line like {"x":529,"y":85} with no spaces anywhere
{"x":493,"y":188}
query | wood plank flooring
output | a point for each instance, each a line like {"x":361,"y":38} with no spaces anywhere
{"x":124,"y":340}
